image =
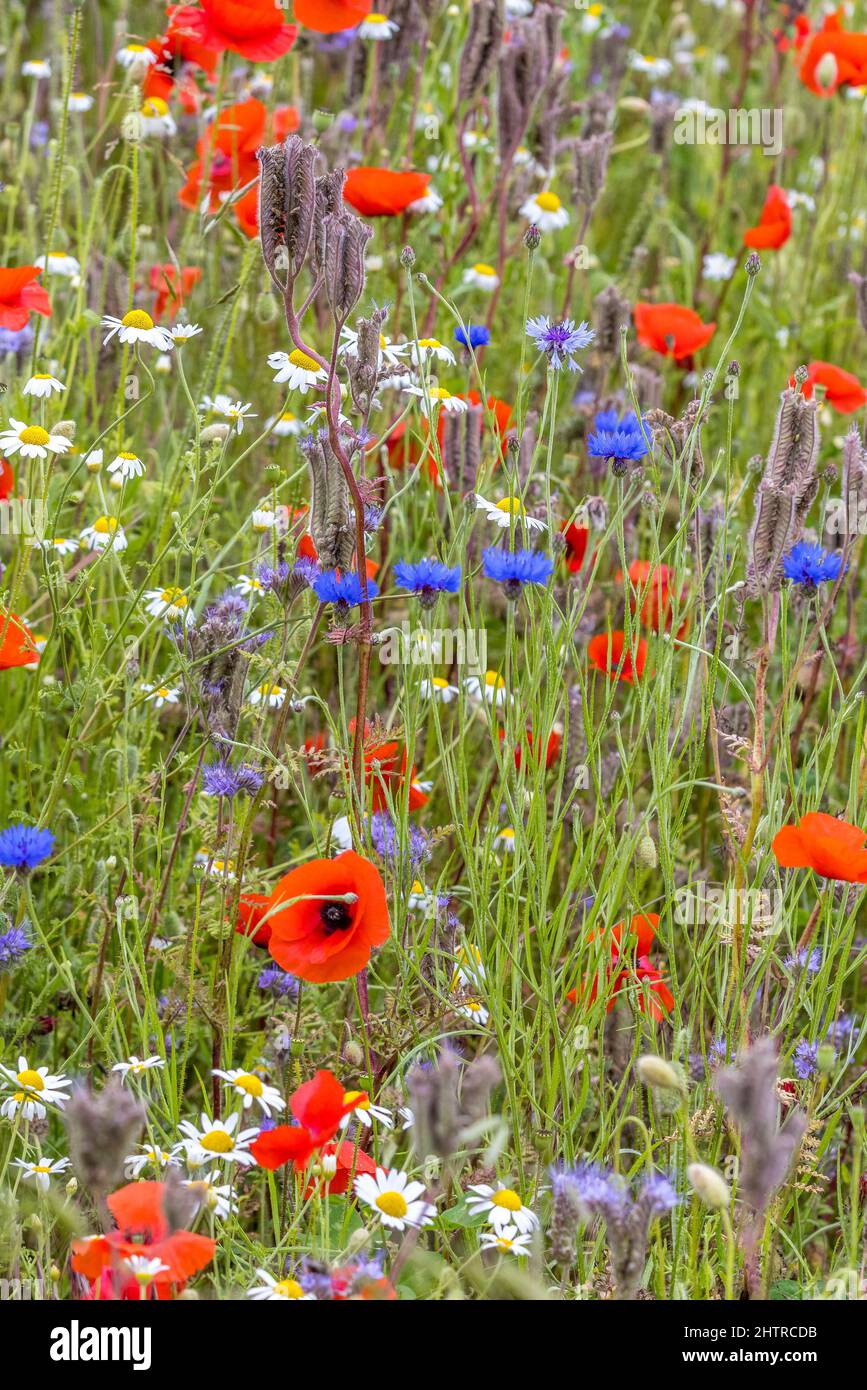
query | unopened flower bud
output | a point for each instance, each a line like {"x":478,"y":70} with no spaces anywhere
{"x":217,"y":431}
{"x":753,"y":265}
{"x":661,"y":1075}
{"x":532,"y":238}
{"x":647,"y":851}
{"x":407,"y":258}
{"x":708,"y":1185}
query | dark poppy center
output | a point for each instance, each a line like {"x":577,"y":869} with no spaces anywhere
{"x":335,"y":917}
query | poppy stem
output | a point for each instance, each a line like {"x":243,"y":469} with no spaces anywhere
{"x":807,"y":934}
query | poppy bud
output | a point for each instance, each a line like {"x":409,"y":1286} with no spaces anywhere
{"x":65,"y":428}
{"x":214,"y":432}
{"x":659,"y":1074}
{"x":827,"y":72}
{"x":322,"y":120}
{"x":647,"y":852}
{"x":708,"y":1185}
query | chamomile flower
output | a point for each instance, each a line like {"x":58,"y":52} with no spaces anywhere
{"x":106,"y":533}
{"x":59,"y":263}
{"x":487,"y":689}
{"x":471,"y":1007}
{"x":407,"y":1117}
{"x":30,"y":441}
{"x":135,"y":53}
{"x":144,"y":1269}
{"x":506,"y":1241}
{"x":469,"y":969}
{"x":215,"y":1140}
{"x":427,"y":348}
{"x":420,"y":898}
{"x":41,"y":1171}
{"x":93,"y":460}
{"x":283,"y":425}
{"x":263,"y":519}
{"x":437,"y":398}
{"x":273,"y":1290}
{"x":430,"y":202}
{"x":137,"y":1066}
{"x":160,"y":695}
{"x":649,"y":65}
{"x":391,"y":353}
{"x":247,"y":584}
{"x":126,"y":465}
{"x":36,"y":67}
{"x":482,"y":277}
{"x":394,"y":1198}
{"x":506,"y":512}
{"x":170,"y":603}
{"x":377,"y":27}
{"x":33,"y":1090}
{"x":545,"y":211}
{"x":252,"y":1088}
{"x":505,"y":839}
{"x":230,"y":410}
{"x":213,"y":1197}
{"x":297,"y":369}
{"x":155,"y":119}
{"x":42,"y":385}
{"x":268,"y":694}
{"x":183,"y":332}
{"x":58,"y":545}
{"x":365,"y":1111}
{"x":149,"y":1156}
{"x":717,"y":266}
{"x":437,"y":688}
{"x":80,"y":101}
{"x":137,"y":327}
{"x":502,"y":1206}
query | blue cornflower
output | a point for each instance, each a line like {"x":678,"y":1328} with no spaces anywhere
{"x":23,"y":846}
{"x":619,"y":440}
{"x":473,"y":336}
{"x":515,"y":568}
{"x":426,"y":579}
{"x":560,"y":340}
{"x":804,"y":1059}
{"x":810,"y":565}
{"x":14,"y":943}
{"x":221,"y":779}
{"x":342,"y":589}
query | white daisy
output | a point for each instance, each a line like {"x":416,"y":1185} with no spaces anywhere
{"x":341,"y":833}
{"x":80,"y":101}
{"x":394,"y":1198}
{"x":136,"y":1066}
{"x":505,"y":839}
{"x":650,"y":66}
{"x":716,"y":266}
{"x":58,"y":263}
{"x":283,"y":425}
{"x":137,"y":327}
{"x":426,"y":348}
{"x":149,"y":1157}
{"x":470,"y":969}
{"x":230,"y":410}
{"x":273,"y":1290}
{"x":431,"y":202}
{"x":127,"y":465}
{"x":59,"y":545}
{"x":42,"y":384}
{"x":482,"y":277}
{"x":40,"y":1172}
{"x":503,"y":1207}
{"x":300,"y":371}
{"x":170,"y":603}
{"x":155,"y":119}
{"x":106,"y":533}
{"x":377,"y":27}
{"x":503,"y":511}
{"x":248,"y":584}
{"x":252,"y":1088}
{"x":31,"y":441}
{"x":471,"y":1007}
{"x":183,"y":332}
{"x":407,"y":1116}
{"x":545,"y":211}
{"x":506,"y":1241}
{"x":93,"y":460}
{"x":365,"y":1111}
{"x":420,"y":898}
{"x":160,"y":695}
{"x":217,"y":1140}
{"x":144,"y":1270}
{"x":269,"y":694}
{"x":390,"y":352}
{"x":34,"y":1088}
{"x":214,"y":1197}
{"x":487,"y":689}
{"x":437,"y":398}
{"x":264,"y":519}
{"x":135,"y":53}
{"x":439,"y":689}
{"x":36,"y":67}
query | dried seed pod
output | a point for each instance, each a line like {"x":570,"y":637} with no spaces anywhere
{"x":331,"y":525}
{"x":786,"y":492}
{"x":346,"y":237}
{"x":479,"y":53}
{"x":591,"y":167}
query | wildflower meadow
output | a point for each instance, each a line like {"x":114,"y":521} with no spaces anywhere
{"x":433,"y":798}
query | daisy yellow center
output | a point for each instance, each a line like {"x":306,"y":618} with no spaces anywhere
{"x":492,"y":679}
{"x":301,"y":359}
{"x":57,"y":255}
{"x":503,"y":1243}
{"x":267,"y":689}
{"x":512,"y":505}
{"x":440,"y":683}
{"x":128,"y":458}
{"x":432,"y":343}
{"x":439,"y":393}
{"x":507,"y":1199}
{"x":383,"y":343}
{"x":155,"y":106}
{"x":376,"y":19}
{"x":507,"y":833}
{"x":34,"y":434}
{"x":176,"y":597}
{"x":31,"y":1079}
{"x":417,"y":887}
{"x":392,"y":1204}
{"x":105,"y":524}
{"x":137,"y":318}
{"x":482,"y":269}
{"x":359,"y":1099}
{"x":287,"y":415}
{"x":548,"y":202}
{"x":163,"y":691}
{"x":217,"y":1141}
{"x":41,"y":1168}
{"x":289,"y":1288}
{"x":135,"y":48}
{"x":251,"y":1084}
{"x":42,"y":376}
{"x":473,"y":1005}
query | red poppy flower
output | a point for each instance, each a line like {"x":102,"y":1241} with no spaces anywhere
{"x":671,"y":329}
{"x":383,"y":192}
{"x":848,"y":50}
{"x":651,"y":596}
{"x":611,"y":655}
{"x":350,"y":1162}
{"x":318,"y":1106}
{"x":172,"y":289}
{"x":252,"y":907}
{"x":843,"y":391}
{"x":775,"y":224}
{"x":253,"y":28}
{"x":639,"y":935}
{"x":20,"y":296}
{"x":17,"y":647}
{"x":318,"y":938}
{"x":142,"y":1229}
{"x":345,"y":1279}
{"x":7,"y":480}
{"x":229,"y":147}
{"x":831,"y":848}
{"x":576,"y":538}
{"x":331,"y":16}
{"x":385,"y":772}
{"x":177,"y":54}
{"x":551,"y":752}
